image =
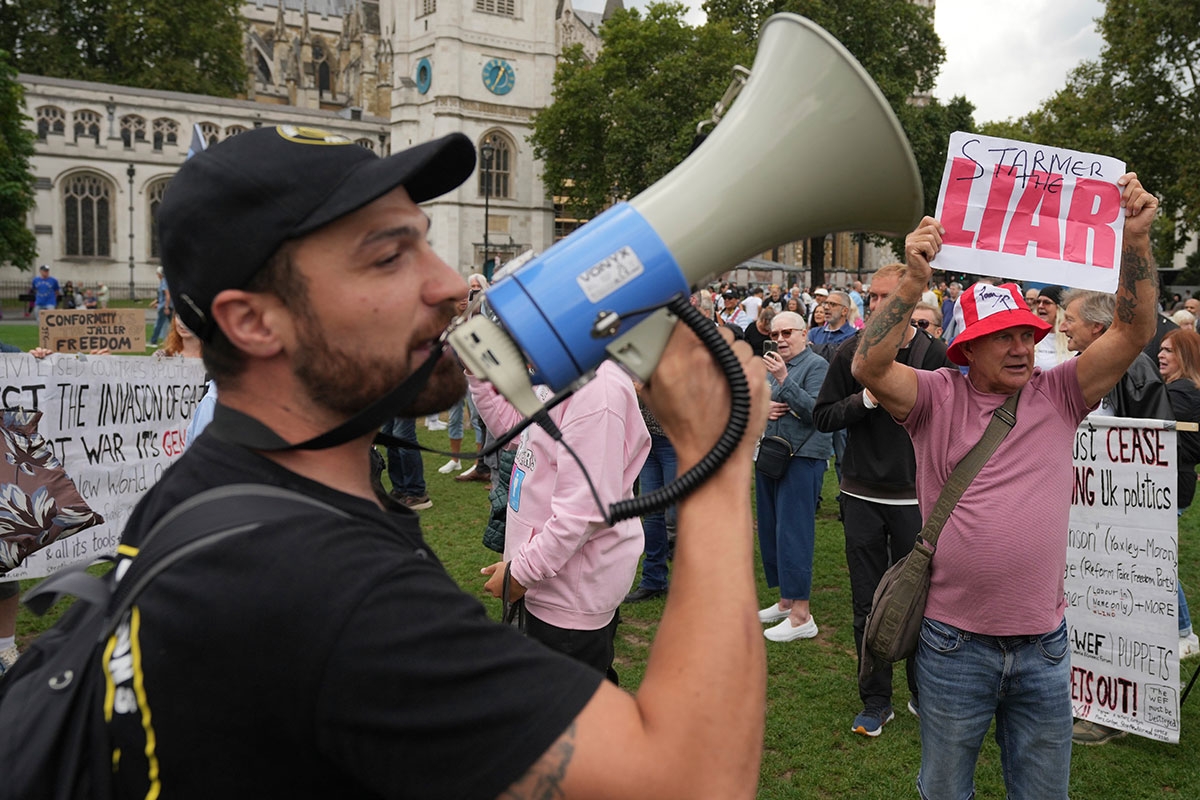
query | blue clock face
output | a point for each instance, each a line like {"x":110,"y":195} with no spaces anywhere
{"x":499,"y":76}
{"x":424,"y":75}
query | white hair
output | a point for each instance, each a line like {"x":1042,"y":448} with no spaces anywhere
{"x":791,"y":317}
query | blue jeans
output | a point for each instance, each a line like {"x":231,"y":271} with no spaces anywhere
{"x":965,"y":680}
{"x":160,"y":326}
{"x":658,"y":471}
{"x":1185,"y":618}
{"x":405,"y":467}
{"x":787,"y":525}
{"x":454,"y":427}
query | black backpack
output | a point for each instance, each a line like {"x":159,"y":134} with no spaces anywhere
{"x":53,"y":736}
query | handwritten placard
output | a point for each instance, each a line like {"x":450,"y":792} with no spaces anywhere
{"x":115,"y":422}
{"x":1031,"y":212}
{"x":84,"y":330}
{"x":1122,"y":612}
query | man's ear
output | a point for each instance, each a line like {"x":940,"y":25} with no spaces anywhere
{"x":254,"y":322}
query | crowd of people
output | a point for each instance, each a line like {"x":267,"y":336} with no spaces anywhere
{"x":362,"y":669}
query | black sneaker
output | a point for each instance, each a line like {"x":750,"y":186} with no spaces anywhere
{"x":642,"y":594}
{"x":417,"y":503}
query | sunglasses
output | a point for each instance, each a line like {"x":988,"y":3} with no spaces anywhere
{"x":786,"y":333}
{"x":920,"y":323}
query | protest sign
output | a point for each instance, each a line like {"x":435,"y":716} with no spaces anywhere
{"x":115,"y":423}
{"x":1030,"y":212}
{"x":1122,"y":613}
{"x":83,"y":330}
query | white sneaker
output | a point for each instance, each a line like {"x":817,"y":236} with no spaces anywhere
{"x":786,"y":632}
{"x":453,"y":465}
{"x":1189,"y":647}
{"x":772,"y":613}
{"x":435,"y":424}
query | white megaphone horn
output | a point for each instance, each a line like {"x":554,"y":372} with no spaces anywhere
{"x":809,"y":147}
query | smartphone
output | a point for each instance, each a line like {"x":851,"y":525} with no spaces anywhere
{"x":770,"y":347}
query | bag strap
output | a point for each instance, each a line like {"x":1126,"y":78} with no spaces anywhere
{"x":199,"y":521}
{"x":202,"y":520}
{"x":1003,"y":420}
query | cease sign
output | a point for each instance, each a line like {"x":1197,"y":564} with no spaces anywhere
{"x":1030,"y":212}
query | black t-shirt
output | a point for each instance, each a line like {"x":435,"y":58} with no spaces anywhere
{"x":322,"y":657}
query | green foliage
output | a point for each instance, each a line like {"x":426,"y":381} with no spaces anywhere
{"x":620,"y":124}
{"x":894,"y":40}
{"x":17,"y":243}
{"x":178,"y":45}
{"x":1139,"y":102}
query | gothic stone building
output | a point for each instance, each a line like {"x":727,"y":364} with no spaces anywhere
{"x":382,"y":72}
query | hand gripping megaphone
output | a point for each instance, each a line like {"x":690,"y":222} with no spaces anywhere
{"x":809,"y":147}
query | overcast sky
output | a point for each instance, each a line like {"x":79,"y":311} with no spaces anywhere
{"x":1006,"y":58}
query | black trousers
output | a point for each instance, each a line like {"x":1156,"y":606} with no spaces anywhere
{"x":594,"y":648}
{"x":877,"y":535}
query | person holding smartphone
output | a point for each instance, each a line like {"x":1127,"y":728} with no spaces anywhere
{"x":787,"y":504}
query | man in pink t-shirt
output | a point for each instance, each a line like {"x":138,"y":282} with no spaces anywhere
{"x":994,"y":642}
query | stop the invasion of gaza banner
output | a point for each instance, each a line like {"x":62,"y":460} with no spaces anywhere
{"x":115,"y":422}
{"x":1120,"y":578}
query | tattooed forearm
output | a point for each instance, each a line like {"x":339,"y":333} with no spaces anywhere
{"x":1136,"y":266}
{"x":544,"y":780}
{"x":882,"y":323}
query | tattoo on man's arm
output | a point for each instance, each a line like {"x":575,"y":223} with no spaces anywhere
{"x":882,"y":322}
{"x":544,"y":780}
{"x":1135,"y":267}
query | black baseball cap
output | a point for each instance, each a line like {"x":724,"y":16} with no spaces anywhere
{"x":232,"y":206}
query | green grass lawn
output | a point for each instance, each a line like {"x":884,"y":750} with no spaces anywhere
{"x":812,"y":693}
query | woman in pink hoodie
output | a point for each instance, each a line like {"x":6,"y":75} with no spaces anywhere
{"x":571,"y":566}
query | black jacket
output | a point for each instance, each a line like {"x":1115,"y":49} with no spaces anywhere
{"x":1140,"y":393}
{"x":879,"y":460}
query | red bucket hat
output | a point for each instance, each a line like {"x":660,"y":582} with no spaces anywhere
{"x":987,"y":309}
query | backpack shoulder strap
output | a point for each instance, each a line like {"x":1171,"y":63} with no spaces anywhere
{"x":202,"y":520}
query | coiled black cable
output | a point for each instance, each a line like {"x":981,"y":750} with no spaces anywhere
{"x":739,"y":418}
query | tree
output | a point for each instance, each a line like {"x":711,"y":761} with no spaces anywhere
{"x":1139,"y":102}
{"x":17,"y":244}
{"x":178,"y":45}
{"x":621,"y":123}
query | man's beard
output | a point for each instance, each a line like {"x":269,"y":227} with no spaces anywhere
{"x":347,"y":382}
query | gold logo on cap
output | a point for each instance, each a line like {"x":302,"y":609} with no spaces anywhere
{"x":302,"y":134}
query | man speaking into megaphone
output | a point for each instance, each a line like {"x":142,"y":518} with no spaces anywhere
{"x":330,"y":653}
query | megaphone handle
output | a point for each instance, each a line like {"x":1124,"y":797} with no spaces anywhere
{"x":739,"y":418}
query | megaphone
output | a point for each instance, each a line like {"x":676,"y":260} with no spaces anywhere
{"x":809,"y":147}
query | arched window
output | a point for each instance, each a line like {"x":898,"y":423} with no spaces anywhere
{"x":500,"y":168}
{"x":234,"y":130}
{"x":87,"y":125}
{"x":166,"y":131}
{"x":323,"y":79}
{"x":367,"y":143}
{"x":211,"y":133}
{"x":154,"y":196}
{"x":261,"y":69}
{"x":50,"y":119}
{"x":133,"y":129}
{"x":87,"y":211}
